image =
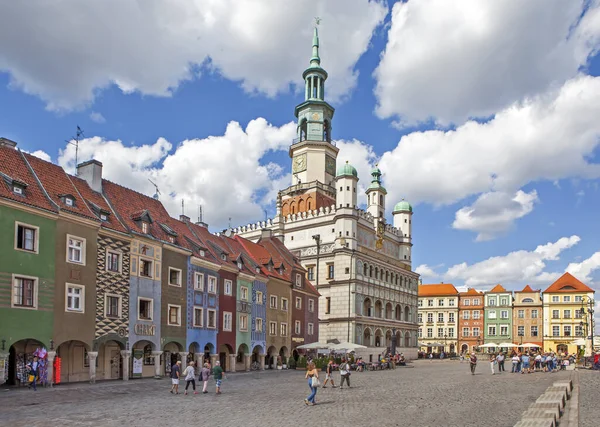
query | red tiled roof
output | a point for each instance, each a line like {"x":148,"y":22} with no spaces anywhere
{"x":90,"y":196}
{"x":236,"y":250}
{"x":526,"y":289}
{"x":473,"y":292}
{"x":497,"y":289}
{"x":14,"y":166}
{"x":568,"y":283}
{"x":437,"y":289}
{"x":56,"y":182}
{"x":126,"y":202}
{"x":262,"y":256}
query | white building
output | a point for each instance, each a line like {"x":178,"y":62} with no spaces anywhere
{"x":360,"y":264}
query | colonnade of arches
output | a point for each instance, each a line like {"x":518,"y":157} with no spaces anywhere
{"x":379,"y":273}
{"x":388,"y":312}
{"x":376,"y":337}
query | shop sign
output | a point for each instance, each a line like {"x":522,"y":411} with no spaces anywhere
{"x":138,"y":362}
{"x":146,"y":330}
{"x":297,"y":339}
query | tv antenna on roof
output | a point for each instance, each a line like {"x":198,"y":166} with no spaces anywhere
{"x":75,"y":141}
{"x":156,"y":187}
{"x":199,"y":213}
{"x":317,"y":20}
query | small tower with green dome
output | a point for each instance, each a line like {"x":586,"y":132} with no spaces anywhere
{"x":403,"y":212}
{"x":346,"y":184}
{"x":376,"y":195}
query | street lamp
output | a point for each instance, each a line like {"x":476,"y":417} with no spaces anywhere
{"x":445,"y":339}
{"x":589,"y":326}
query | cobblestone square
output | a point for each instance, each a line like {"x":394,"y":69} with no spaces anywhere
{"x":438,"y":393}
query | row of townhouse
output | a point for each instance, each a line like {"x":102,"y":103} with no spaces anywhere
{"x":111,"y":286}
{"x":558,"y":319}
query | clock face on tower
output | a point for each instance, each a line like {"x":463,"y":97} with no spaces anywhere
{"x":299,"y":163}
{"x":330,"y":165}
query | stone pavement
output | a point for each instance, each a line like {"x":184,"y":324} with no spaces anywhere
{"x":589,"y":391}
{"x":438,"y":393}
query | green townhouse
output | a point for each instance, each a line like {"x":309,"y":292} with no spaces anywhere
{"x":498,"y":316}
{"x":27,"y":265}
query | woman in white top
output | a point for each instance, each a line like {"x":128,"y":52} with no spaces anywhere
{"x":190,"y":375}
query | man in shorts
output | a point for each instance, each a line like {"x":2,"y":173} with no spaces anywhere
{"x":218,"y":374}
{"x":328,"y":374}
{"x":175,"y":374}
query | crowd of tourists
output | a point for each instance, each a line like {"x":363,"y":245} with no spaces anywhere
{"x":189,"y":376}
{"x":524,"y":362}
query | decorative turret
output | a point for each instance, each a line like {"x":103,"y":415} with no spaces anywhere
{"x":376,"y":195}
{"x":346,"y":181}
{"x":403,"y":218}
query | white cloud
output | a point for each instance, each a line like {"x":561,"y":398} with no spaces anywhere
{"x":549,"y":137}
{"x":426,"y":272}
{"x":77,"y":48}
{"x":451,"y":60}
{"x":362,"y":157}
{"x":42,"y":155}
{"x":225,"y":174}
{"x":517,"y":267}
{"x":494,"y":213}
{"x":97,"y":117}
{"x":583,"y":270}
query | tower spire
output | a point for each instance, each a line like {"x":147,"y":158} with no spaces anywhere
{"x":315,"y":61}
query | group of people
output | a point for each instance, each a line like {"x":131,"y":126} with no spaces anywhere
{"x":312,"y":375}
{"x":524,"y":363}
{"x":189,"y":376}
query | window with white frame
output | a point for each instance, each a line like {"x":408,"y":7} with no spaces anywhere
{"x":556,"y":331}
{"x":520,"y":331}
{"x":521,"y":314}
{"x":145,"y":268}
{"x":243,"y":321}
{"x":211,"y":319}
{"x":491,"y":330}
{"x":451,"y":302}
{"x":578,"y":298}
{"x":441,"y":317}
{"x":420,"y":333}
{"x":419,"y":317}
{"x":555,"y":298}
{"x":466,"y":315}
{"x":283,"y":330}
{"x":284,"y":304}
{"x":429,"y":303}
{"x":258,"y":324}
{"x":465,"y":332}
{"x":74,"y":298}
{"x":429,"y":317}
{"x":503,"y":329}
{"x":298,"y":280}
{"x":503,"y":301}
{"x":273,"y":328}
{"x":578,"y":331}
{"x":429,"y":332}
{"x":504,"y":314}
{"x":451,"y":317}
{"x":24,"y":292}
{"x":212,"y":284}
{"x":198,"y":281}
{"x":174,"y":276}
{"x":492,"y":301}
{"x":145,"y":308}
{"x":492,"y":314}
{"x":112,"y":306}
{"x":311,"y":305}
{"x":113,"y":261}
{"x":555,"y":314}
{"x":174,"y":315}
{"x":311,"y":329}
{"x":475,"y":332}
{"x":259,"y":298}
{"x":75,"y":250}
{"x":26,"y":237}
{"x":198,"y":317}
{"x":420,"y":303}
{"x":244,"y":293}
{"x":451,"y":332}
{"x":298,"y":303}
{"x":144,"y":227}
{"x":228,"y":287}
{"x":467,"y":302}
{"x":567,"y":298}
{"x":440,"y":302}
{"x":476,"y":301}
{"x":273,"y":301}
{"x":534,"y":331}
{"x":567,"y":314}
{"x":440,"y":332}
{"x":297,"y":327}
{"x":567,"y":330}
{"x":476,"y":315}
{"x":227,"y":321}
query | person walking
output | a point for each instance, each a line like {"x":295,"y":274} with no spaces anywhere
{"x":492,"y":363}
{"x":500,"y":360}
{"x":219,"y":375}
{"x":33,"y":369}
{"x":190,"y":378}
{"x":473,"y":363}
{"x":204,"y":374}
{"x":345,"y":373}
{"x":313,"y":382}
{"x":329,"y":374}
{"x":175,"y":374}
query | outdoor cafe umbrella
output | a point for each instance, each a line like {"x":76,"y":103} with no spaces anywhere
{"x":315,"y":346}
{"x":490,"y":345}
{"x":348,"y":346}
{"x":507,"y":345}
{"x":528,"y":344}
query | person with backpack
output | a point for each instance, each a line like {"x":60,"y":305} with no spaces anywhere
{"x":33,"y":368}
{"x":473,"y":363}
{"x":204,"y":374}
{"x":329,"y":374}
{"x":345,"y":373}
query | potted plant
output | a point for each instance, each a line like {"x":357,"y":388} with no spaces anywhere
{"x":291,"y":363}
{"x":279,"y":363}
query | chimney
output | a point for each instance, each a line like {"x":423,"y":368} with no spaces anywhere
{"x":91,"y":171}
{"x":266,"y":233}
{"x":7,"y":142}
{"x":201,"y":224}
{"x":184,"y":218}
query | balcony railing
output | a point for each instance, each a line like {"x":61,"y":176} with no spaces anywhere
{"x":299,"y":140}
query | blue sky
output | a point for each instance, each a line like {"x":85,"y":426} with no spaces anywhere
{"x":483,"y":115}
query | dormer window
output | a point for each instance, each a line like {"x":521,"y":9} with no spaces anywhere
{"x":223,"y":257}
{"x":280,"y":270}
{"x":17,"y":189}
{"x":103,"y":217}
{"x":171,"y":239}
{"x":68,"y":201}
{"x":202,"y":253}
{"x":258,"y":269}
{"x":144,"y":227}
{"x":239,"y":264}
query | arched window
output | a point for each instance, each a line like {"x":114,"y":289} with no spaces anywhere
{"x":527,"y":300}
{"x":326,"y":131}
{"x":366,"y":270}
{"x":381,"y":200}
{"x":303,"y":132}
{"x":371,"y":271}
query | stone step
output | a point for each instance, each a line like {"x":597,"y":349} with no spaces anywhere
{"x":568,"y":383}
{"x":561,"y":398}
{"x":541,"y":422}
{"x":553,"y":407}
{"x":539,"y":413}
{"x":560,"y":389}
